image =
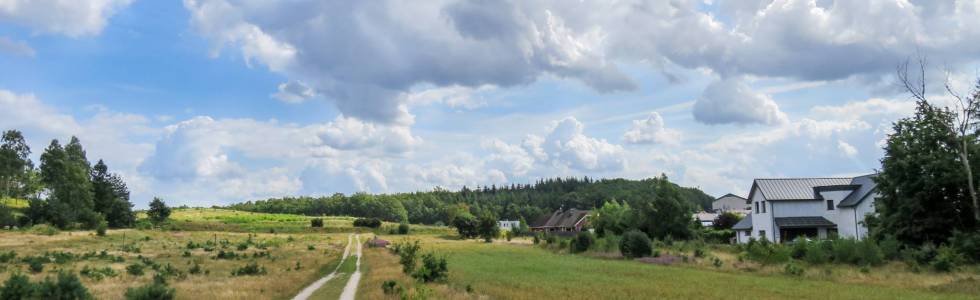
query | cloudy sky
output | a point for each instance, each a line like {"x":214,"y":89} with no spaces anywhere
{"x":217,"y":101}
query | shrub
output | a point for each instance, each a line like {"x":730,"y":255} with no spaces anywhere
{"x":101,"y":228}
{"x":634,"y":244}
{"x":44,"y":229}
{"x":156,"y":290}
{"x":536,"y":240}
{"x":967,"y":244}
{"x":608,"y":243}
{"x":135,"y":269}
{"x":403,"y":228}
{"x":845,"y":251}
{"x":226,"y":255}
{"x":793,"y":269}
{"x":35,"y":265}
{"x":97,"y":273}
{"x":310,"y":247}
{"x":583,"y":242}
{"x":251,"y":268}
{"x":7,"y":256}
{"x":921,"y":256}
{"x":195,"y":269}
{"x":242,"y":246}
{"x":318,"y":223}
{"x":408,"y":255}
{"x":433,"y":268}
{"x":818,"y":253}
{"x":550,"y":239}
{"x":18,"y":286}
{"x":509,"y":235}
{"x":144,"y":224}
{"x":946,"y":260}
{"x":390,"y":287}
{"x":67,"y":286}
{"x":800,"y":246}
{"x":890,"y":247}
{"x":563,"y":244}
{"x":716,"y":262}
{"x":367,"y":222}
{"x":869,"y":254}
{"x":766,"y":252}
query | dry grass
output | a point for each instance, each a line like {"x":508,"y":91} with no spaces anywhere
{"x":379,"y":265}
{"x":282,"y":280}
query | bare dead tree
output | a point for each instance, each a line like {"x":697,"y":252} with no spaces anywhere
{"x":966,"y":118}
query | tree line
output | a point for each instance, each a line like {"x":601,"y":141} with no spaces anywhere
{"x":66,"y":190}
{"x":510,"y":202}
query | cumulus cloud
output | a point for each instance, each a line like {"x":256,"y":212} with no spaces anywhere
{"x":353,"y":134}
{"x":731,"y":101}
{"x":567,"y":145}
{"x":846,"y":149}
{"x":651,"y":131}
{"x":294,"y":92}
{"x":72,"y":18}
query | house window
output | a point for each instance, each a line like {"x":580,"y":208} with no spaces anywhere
{"x":763,"y":206}
{"x":757,"y":207}
{"x":830,"y":204}
{"x":762,"y":234}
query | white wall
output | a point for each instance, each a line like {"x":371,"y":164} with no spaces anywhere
{"x":728,"y":203}
{"x":761,"y":221}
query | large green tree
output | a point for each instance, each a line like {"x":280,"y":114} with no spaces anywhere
{"x":612,"y":218}
{"x":15,"y":164}
{"x":666,"y":214}
{"x":65,"y":172}
{"x":159,"y":212}
{"x":924,"y":195}
{"x":111,"y":197}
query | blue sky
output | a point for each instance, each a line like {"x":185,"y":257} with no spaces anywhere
{"x":217,"y":101}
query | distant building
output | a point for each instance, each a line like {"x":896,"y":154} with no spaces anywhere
{"x":571,"y":220}
{"x":786,"y":208}
{"x":705,"y":218}
{"x":730,"y":203}
{"x":508,"y":225}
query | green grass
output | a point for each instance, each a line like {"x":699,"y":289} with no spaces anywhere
{"x":14,"y":203}
{"x":333,"y":288}
{"x":211,"y":219}
{"x":526,"y":272}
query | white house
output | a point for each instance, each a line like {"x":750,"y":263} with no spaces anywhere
{"x":705,"y":218}
{"x":508,"y":225}
{"x":730,"y":203}
{"x":786,"y":208}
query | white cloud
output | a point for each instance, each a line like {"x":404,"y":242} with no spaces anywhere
{"x":731,"y":101}
{"x":452,"y":96}
{"x":294,"y":92}
{"x":846,"y":149}
{"x":567,"y":145}
{"x":72,"y":18}
{"x":652,"y":131}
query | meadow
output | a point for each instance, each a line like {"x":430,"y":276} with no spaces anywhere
{"x":203,"y":252}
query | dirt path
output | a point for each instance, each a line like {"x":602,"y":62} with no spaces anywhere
{"x":351,"y":289}
{"x":308,"y":291}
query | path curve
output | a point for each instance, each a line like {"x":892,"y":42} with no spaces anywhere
{"x":351,"y":288}
{"x":308,"y":291}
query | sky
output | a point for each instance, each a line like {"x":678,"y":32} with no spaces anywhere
{"x":212,"y":102}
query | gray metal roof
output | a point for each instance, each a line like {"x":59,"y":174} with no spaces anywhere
{"x":744,"y":224}
{"x":794,"y":188}
{"x":866,"y":187}
{"x":797,"y":222}
{"x":565,"y":219}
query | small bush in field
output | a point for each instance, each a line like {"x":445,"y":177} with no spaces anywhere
{"x":891,"y":248}
{"x":432,"y":269}
{"x":403,"y":228}
{"x":98,"y":273}
{"x":967,"y":244}
{"x":367,"y":222}
{"x":101,"y":228}
{"x":536,"y":240}
{"x":195,"y":269}
{"x":316,"y":223}
{"x":793,"y":269}
{"x":18,"y":286}
{"x":408,"y":255}
{"x":390,"y":287}
{"x":135,"y":269}
{"x":156,"y":290}
{"x":716,"y":262}
{"x":35,"y":266}
{"x":699,"y":252}
{"x":7,"y":256}
{"x":818,"y":253}
{"x":67,"y":286}
{"x":583,"y":241}
{"x":44,"y":229}
{"x":946,"y":260}
{"x":635,"y":244}
{"x":249,"y":269}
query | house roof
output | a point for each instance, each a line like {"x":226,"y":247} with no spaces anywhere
{"x":791,"y":222}
{"x":866,"y":187}
{"x":729,"y":195}
{"x":566,"y":218}
{"x":744,"y":224}
{"x":793,"y":188}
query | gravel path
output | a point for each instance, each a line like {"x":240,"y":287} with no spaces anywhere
{"x":308,"y":291}
{"x":351,"y":288}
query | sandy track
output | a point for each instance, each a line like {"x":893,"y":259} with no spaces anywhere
{"x":351,"y":288}
{"x":308,"y":291}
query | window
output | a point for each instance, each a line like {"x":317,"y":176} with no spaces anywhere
{"x":757,"y":207}
{"x":762,"y":234}
{"x":830,"y":204}
{"x":763,"y":206}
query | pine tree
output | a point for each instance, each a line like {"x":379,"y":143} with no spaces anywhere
{"x":15,"y":164}
{"x":159,"y":212}
{"x":111,"y":197}
{"x":65,"y":172}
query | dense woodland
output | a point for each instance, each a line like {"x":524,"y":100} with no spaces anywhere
{"x":513,"y":202}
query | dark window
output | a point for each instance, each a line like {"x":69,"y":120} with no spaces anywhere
{"x":763,"y":206}
{"x":830,"y":204}
{"x":757,"y":207}
{"x":762,"y":234}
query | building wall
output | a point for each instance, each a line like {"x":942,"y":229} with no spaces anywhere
{"x":761,"y":221}
{"x":852,"y":219}
{"x":728,"y":203}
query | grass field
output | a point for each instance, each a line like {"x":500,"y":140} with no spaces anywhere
{"x":521,"y":271}
{"x":211,"y":219}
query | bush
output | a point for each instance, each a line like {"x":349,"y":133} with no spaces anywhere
{"x":135,"y":269}
{"x":800,"y":246}
{"x":408,"y":255}
{"x":44,"y":229}
{"x":536,"y":240}
{"x":699,"y":252}
{"x":403,"y":228}
{"x":35,"y":265}
{"x":101,"y":228}
{"x":921,"y":256}
{"x":766,"y":252}
{"x":967,"y":244}
{"x":7,"y":256}
{"x":97,"y":273}
{"x":869,"y":254}
{"x":390,"y":287}
{"x":317,"y":223}
{"x":367,"y":222}
{"x":583,"y":242}
{"x":818,"y":253}
{"x":67,"y":286}
{"x":156,"y":290}
{"x":634,"y":244}
{"x":793,"y":269}
{"x":251,"y":268}
{"x":433,"y":268}
{"x":890,"y":247}
{"x":18,"y":286}
{"x":946,"y":260}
